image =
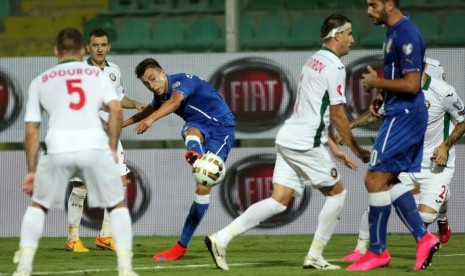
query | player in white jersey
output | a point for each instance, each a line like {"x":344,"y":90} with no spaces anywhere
{"x":438,"y":163}
{"x":98,"y":48}
{"x":71,"y":93}
{"x":302,"y":158}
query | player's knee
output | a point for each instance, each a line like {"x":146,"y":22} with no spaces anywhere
{"x":428,"y":218}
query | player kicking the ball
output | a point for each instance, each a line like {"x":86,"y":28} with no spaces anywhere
{"x":209,"y":127}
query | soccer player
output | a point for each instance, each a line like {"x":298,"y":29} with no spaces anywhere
{"x":209,"y":127}
{"x":399,"y":145}
{"x":301,"y":156}
{"x":443,"y":105}
{"x":98,"y":48}
{"x":71,"y":93}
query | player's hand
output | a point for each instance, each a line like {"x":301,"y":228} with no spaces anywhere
{"x":140,"y":106}
{"x":345,"y":159}
{"x":28,"y":183}
{"x":364,"y":155}
{"x":440,"y":155}
{"x":375,"y":105}
{"x":369,"y":78}
{"x":143,"y":125}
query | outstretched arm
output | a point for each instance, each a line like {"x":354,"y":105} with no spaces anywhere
{"x":168,"y":107}
{"x":128,"y":103}
{"x":138,"y":116}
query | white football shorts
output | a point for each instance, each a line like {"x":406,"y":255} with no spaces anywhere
{"x":434,"y":185}
{"x":122,"y":165}
{"x":96,"y":167}
{"x":296,"y":169}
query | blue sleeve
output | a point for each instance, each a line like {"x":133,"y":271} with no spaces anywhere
{"x":186,"y":86}
{"x":410,"y":49}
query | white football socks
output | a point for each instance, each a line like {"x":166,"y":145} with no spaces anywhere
{"x":255,"y":214}
{"x":121,"y":229}
{"x":32,"y":228}
{"x":327,"y":222}
{"x":75,"y":207}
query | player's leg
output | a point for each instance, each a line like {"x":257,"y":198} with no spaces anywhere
{"x":257,"y":212}
{"x":75,"y":208}
{"x":363,"y":240}
{"x":31,"y":231}
{"x":218,"y":140}
{"x":435,"y":193}
{"x":327,"y":221}
{"x":194,"y":141}
{"x":379,"y":200}
{"x":101,"y":177}
{"x":50,"y":184}
{"x":104,"y":239}
{"x":252,"y":217}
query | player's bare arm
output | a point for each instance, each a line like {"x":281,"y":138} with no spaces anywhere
{"x":409,"y":84}
{"x":168,"y":107}
{"x":31,"y":147}
{"x":340,"y":122}
{"x":366,"y":118}
{"x":139,"y":116}
{"x":114,"y":123}
{"x":337,"y":152}
{"x":440,"y":153}
{"x":128,"y":103}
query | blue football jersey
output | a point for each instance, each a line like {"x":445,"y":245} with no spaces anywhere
{"x":202,"y":103}
{"x":404,"y":52}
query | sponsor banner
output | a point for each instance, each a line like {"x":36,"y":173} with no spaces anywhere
{"x":162,"y":190}
{"x":258,"y":86}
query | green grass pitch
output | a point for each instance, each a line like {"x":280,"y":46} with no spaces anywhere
{"x":246,"y":255}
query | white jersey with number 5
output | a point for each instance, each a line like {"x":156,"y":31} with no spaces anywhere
{"x":321,"y":84}
{"x":71,"y":93}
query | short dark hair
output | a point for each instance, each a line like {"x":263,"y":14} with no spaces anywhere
{"x":396,"y":2}
{"x":143,"y":65}
{"x":68,"y":40}
{"x":331,"y":22}
{"x":99,"y":32}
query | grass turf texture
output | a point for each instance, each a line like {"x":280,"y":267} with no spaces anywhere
{"x":246,"y":255}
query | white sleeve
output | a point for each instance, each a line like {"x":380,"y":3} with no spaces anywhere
{"x":109,"y":92}
{"x":453,"y":105}
{"x":33,"y":110}
{"x":336,"y":78}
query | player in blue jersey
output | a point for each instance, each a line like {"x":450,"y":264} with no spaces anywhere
{"x":399,"y":145}
{"x":209,"y":127}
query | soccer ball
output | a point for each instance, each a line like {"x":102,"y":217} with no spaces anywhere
{"x":209,"y":169}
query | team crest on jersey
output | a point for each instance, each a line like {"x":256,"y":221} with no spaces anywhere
{"x":407,"y":49}
{"x":428,"y":104}
{"x":175,"y":85}
{"x":334,"y":172}
{"x":388,"y":46}
{"x":112,"y":77}
{"x":339,"y":90}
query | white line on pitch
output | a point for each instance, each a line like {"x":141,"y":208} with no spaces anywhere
{"x":158,"y":267}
